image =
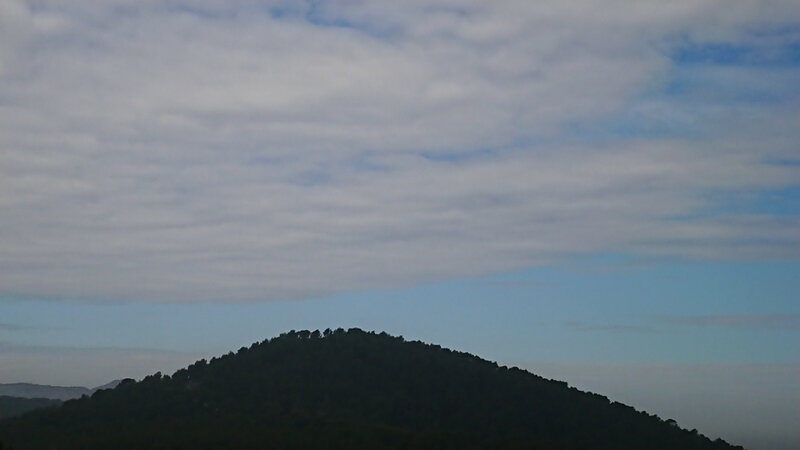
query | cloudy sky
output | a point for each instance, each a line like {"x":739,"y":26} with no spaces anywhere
{"x":582,"y":188}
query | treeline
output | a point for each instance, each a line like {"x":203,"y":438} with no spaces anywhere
{"x":352,"y":389}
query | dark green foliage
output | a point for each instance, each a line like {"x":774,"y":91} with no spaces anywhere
{"x":346,"y":390}
{"x":14,"y":406}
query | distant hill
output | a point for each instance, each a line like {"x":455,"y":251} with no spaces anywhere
{"x":30,"y":390}
{"x":347,"y":390}
{"x":14,"y":406}
{"x":19,"y":398}
{"x":109,"y":385}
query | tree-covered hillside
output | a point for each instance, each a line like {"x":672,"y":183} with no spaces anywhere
{"x":346,"y":390}
{"x":14,"y":406}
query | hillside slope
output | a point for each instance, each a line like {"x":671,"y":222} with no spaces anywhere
{"x":14,"y":406}
{"x":349,"y":390}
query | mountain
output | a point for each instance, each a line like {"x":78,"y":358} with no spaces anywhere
{"x":43,"y":391}
{"x":109,"y":385}
{"x":14,"y":406}
{"x":28,"y":390}
{"x":19,"y":398}
{"x":346,"y":390}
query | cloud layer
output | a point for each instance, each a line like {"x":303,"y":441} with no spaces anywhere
{"x":236,"y":151}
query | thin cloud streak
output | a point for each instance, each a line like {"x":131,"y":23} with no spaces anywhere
{"x":608,"y":328}
{"x":13,"y":327}
{"x":747,"y":321}
{"x":519,"y":283}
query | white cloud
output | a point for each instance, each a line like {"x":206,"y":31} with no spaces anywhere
{"x":154,"y":152}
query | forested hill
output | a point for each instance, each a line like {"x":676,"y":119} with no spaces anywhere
{"x":346,"y":390}
{"x":14,"y":406}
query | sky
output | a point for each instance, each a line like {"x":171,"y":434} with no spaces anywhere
{"x":606,"y":193}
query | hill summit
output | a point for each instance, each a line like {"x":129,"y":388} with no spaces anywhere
{"x":346,"y":390}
